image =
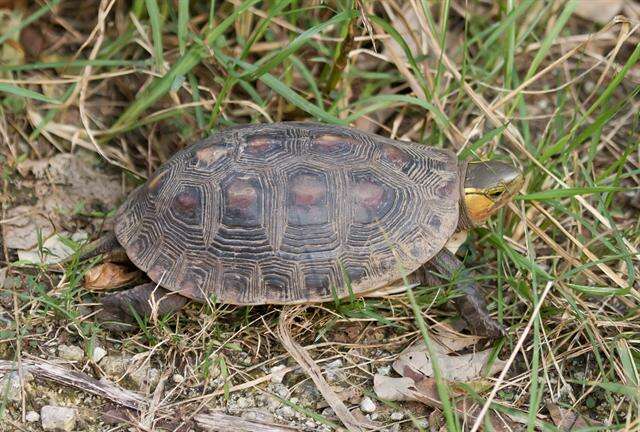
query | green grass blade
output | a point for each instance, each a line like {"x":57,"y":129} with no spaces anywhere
{"x":183,"y":19}
{"x":156,"y":32}
{"x":160,"y":86}
{"x":550,"y":38}
{"x":565,"y":193}
{"x":270,"y":62}
{"x":26,"y":93}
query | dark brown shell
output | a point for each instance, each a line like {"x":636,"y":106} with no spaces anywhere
{"x":290,"y":212}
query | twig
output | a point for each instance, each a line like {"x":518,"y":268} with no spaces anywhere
{"x":313,"y":370}
{"x":79,"y":380}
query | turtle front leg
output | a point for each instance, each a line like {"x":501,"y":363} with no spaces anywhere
{"x":119,"y":309}
{"x":471,"y":304}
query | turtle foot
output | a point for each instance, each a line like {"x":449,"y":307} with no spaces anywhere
{"x":120,"y":310}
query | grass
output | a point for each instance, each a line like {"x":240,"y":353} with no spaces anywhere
{"x":522,"y":80}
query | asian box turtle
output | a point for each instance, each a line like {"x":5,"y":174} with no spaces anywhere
{"x":300,"y":212}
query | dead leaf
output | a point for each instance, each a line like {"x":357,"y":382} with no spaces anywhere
{"x":567,"y":420}
{"x":455,"y":367}
{"x":108,"y":276}
{"x":599,"y":11}
{"x":424,"y":390}
{"x":405,"y":389}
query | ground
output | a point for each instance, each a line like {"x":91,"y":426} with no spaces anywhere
{"x":96,"y":95}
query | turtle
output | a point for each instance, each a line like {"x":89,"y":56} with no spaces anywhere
{"x":300,"y":212}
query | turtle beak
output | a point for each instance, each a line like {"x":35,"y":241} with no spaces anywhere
{"x":489,"y":186}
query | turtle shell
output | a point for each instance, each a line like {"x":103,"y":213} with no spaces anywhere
{"x":289,"y":213}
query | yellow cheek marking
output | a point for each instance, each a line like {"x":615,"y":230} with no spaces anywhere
{"x":479,"y":207}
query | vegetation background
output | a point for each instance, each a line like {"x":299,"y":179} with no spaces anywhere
{"x":97,"y":94}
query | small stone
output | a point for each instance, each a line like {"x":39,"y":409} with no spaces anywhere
{"x":243,"y":403}
{"x":214,"y":370}
{"x":589,"y":86}
{"x":98,"y":354}
{"x":277,"y":374}
{"x":13,"y":387}
{"x":333,"y":372}
{"x":336,"y":364}
{"x":257,"y":414}
{"x":177,"y":378}
{"x":70,"y":352}
{"x":32,"y":416}
{"x":286,"y":412}
{"x":310,"y":424}
{"x":146,"y":376}
{"x":115,"y":366}
{"x":367,"y":405}
{"x":58,"y":418}
{"x":280,"y":390}
{"x":384,"y":370}
{"x":328,"y":413}
{"x":396,"y":416}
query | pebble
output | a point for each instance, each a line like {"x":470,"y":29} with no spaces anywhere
{"x":328,"y":413}
{"x":333,"y":372}
{"x":258,"y":414}
{"x":58,"y":418}
{"x":214,"y":369}
{"x":177,"y":378}
{"x":277,"y":374}
{"x":397,"y":416}
{"x":115,"y":366}
{"x":310,"y":424}
{"x":98,"y":354}
{"x":70,"y":352}
{"x":384,"y":370}
{"x":244,"y":403}
{"x":14,"y":386}
{"x":281,"y":390}
{"x":286,"y":412}
{"x":367,"y":405}
{"x":32,"y":416}
{"x":146,"y":376}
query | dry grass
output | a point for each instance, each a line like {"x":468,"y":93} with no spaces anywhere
{"x":526,"y":80}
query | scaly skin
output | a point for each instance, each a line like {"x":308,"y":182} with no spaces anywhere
{"x":117,"y":308}
{"x":471,"y":303}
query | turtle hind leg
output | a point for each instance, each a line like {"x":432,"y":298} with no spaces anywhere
{"x":471,"y":303}
{"x":119,"y":309}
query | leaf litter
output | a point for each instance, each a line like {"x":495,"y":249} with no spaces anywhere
{"x":417,"y":382}
{"x":64,"y":186}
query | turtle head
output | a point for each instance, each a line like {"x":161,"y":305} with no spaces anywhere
{"x":489,"y":186}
